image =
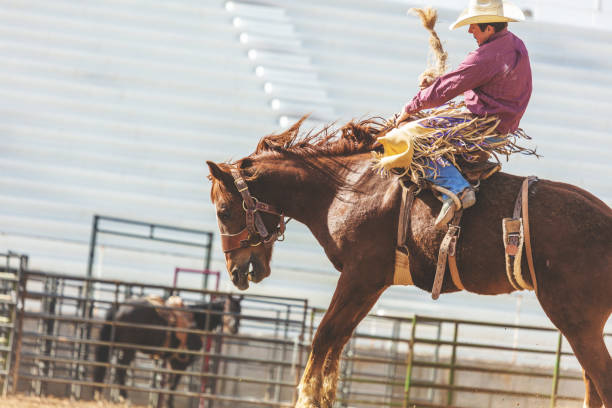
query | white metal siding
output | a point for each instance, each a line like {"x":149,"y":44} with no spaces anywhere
{"x":112,"y":107}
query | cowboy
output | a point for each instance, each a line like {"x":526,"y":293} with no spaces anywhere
{"x":495,"y":81}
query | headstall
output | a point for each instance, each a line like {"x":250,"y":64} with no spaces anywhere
{"x":255,"y":233}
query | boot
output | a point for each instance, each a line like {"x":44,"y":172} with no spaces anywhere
{"x":468,"y":199}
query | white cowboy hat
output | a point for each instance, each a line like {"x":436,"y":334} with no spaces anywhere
{"x":488,"y":11}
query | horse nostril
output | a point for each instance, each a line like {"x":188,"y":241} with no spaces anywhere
{"x":234,"y":274}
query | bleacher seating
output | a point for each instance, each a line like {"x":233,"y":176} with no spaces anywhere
{"x":113,"y":107}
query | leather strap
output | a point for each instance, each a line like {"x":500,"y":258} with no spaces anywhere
{"x":401,"y":273}
{"x":255,"y":231}
{"x":254,"y":222}
{"x":450,"y":238}
{"x":229,"y":242}
{"x":408,"y":195}
{"x":525,"y":193}
{"x":452,"y":263}
{"x":516,"y":235}
{"x":513,"y":244}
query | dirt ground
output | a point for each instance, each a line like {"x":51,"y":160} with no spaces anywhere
{"x":20,"y":401}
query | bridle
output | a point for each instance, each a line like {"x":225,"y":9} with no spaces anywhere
{"x":255,"y":233}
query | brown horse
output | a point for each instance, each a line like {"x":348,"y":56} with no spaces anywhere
{"x":326,"y":182}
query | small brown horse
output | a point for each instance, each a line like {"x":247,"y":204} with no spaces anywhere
{"x":326,"y":182}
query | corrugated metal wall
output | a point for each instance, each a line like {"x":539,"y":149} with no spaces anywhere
{"x":112,"y":107}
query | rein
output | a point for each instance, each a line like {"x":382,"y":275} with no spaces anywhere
{"x":255,"y":233}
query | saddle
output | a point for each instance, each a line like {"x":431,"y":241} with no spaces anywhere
{"x":515,"y":233}
{"x":479,"y":170}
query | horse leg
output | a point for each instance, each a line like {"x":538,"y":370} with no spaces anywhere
{"x":582,"y":325}
{"x":161,"y":397}
{"x":127,"y":355}
{"x":591,"y":397}
{"x":352,"y":300}
{"x":594,"y":357}
{"x":174,"y":381}
{"x":591,"y":352}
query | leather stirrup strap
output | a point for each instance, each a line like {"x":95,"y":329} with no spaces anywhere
{"x":525,"y":203}
{"x":450,"y":238}
{"x":401,"y":273}
{"x":452,"y":264}
{"x":408,"y":194}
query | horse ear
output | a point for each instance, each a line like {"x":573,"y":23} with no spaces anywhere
{"x":217,"y":172}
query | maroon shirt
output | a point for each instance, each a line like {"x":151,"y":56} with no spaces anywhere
{"x":495,"y":79}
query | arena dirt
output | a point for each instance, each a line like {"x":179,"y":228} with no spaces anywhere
{"x":21,"y":401}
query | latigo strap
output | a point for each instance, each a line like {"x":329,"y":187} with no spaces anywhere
{"x":448,"y":247}
{"x":402,"y":275}
{"x":516,"y":234}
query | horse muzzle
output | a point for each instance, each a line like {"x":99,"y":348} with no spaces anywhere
{"x":239,"y":276}
{"x":253,"y":270}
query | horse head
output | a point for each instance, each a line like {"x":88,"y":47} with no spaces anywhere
{"x":231,"y":314}
{"x":289,"y":169}
{"x":248,"y":227}
{"x":222,"y":313}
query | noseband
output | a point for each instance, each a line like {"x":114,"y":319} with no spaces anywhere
{"x":255,"y":233}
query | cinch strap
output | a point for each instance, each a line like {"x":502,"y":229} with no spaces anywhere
{"x":402,"y":274}
{"x":516,"y":234}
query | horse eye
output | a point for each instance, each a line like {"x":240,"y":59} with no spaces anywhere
{"x":223,"y":214}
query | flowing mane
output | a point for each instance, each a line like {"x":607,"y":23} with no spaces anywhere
{"x":319,"y":151}
{"x":352,"y":138}
{"x":316,"y":150}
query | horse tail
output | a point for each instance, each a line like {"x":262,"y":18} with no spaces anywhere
{"x":428,"y":17}
{"x":102,"y":351}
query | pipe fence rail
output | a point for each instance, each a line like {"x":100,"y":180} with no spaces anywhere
{"x":389,"y":361}
{"x":258,"y":366}
{"x":433,"y":362}
{"x":13,"y":265}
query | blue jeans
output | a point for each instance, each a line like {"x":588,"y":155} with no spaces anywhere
{"x":447,"y":176}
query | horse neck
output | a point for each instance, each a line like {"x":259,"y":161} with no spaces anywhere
{"x":296,"y":189}
{"x":210,"y":314}
{"x":322,"y":201}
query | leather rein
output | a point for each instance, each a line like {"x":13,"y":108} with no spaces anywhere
{"x":255,"y":233}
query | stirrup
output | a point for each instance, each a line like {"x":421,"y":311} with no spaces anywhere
{"x":449,"y":193}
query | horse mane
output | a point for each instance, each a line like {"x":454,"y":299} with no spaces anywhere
{"x":352,"y":138}
{"x":320,"y":151}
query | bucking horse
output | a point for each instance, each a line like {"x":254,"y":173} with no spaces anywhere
{"x":328,"y":184}
{"x":326,"y":181}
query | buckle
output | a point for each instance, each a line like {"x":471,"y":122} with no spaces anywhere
{"x":513,"y":239}
{"x":255,"y":201}
{"x":454,"y":230}
{"x":238,"y":182}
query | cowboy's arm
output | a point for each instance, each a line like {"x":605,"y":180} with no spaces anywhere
{"x":473,"y":72}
